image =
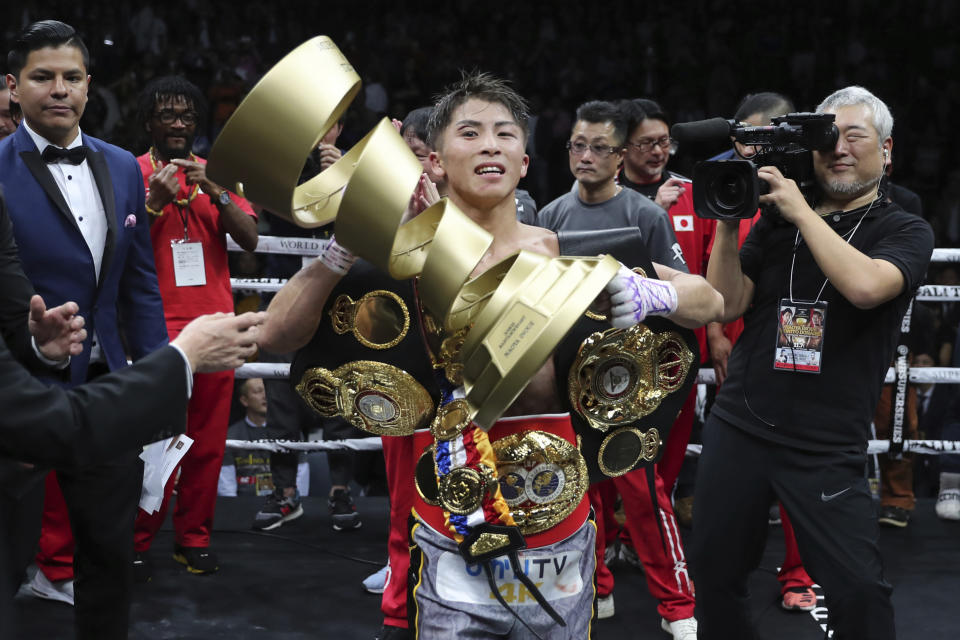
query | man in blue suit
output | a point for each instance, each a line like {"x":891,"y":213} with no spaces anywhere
{"x":77,"y":207}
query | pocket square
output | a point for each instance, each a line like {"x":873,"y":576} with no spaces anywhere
{"x":131,"y":221}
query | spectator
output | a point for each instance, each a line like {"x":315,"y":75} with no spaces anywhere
{"x":7,"y":124}
{"x":190,"y":217}
{"x":247,"y":471}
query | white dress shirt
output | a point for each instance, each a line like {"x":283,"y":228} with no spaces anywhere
{"x":79,"y":190}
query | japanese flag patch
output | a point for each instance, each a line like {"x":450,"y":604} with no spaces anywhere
{"x":683,"y":223}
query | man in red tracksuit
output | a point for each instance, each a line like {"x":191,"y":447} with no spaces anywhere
{"x":190,"y":219}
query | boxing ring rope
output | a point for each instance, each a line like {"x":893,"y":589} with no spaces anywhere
{"x":312,"y":247}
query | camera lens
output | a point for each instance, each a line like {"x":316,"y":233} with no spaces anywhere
{"x":728,"y":191}
{"x":725,"y":189}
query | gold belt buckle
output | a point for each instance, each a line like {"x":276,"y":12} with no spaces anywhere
{"x":542,"y":478}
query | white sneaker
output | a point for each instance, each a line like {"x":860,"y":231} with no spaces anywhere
{"x":611,"y":553}
{"x":629,"y":555}
{"x":948,"y":504}
{"x":605,"y":607}
{"x":376,"y":582}
{"x":59,"y":591}
{"x":685,"y":629}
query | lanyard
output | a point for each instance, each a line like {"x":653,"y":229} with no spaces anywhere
{"x":184,"y":217}
{"x":796,"y":245}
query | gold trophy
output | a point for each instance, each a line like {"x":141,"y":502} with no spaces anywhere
{"x":513,"y":324}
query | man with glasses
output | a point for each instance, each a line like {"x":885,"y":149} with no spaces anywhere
{"x":800,"y":436}
{"x":645,"y":160}
{"x":596,"y":151}
{"x":190,"y":217}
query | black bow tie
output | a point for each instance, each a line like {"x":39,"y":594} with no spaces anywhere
{"x":70,"y":156}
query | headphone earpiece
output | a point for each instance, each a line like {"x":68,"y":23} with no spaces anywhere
{"x":886,"y":153}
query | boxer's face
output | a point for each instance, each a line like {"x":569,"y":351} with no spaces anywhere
{"x":481,"y":153}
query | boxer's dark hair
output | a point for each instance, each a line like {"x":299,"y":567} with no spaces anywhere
{"x":482,"y":86}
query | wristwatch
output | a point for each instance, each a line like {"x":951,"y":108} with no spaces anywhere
{"x":224,"y":198}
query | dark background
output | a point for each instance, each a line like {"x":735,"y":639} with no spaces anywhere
{"x":697,"y":58}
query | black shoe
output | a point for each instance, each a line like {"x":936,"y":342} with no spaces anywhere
{"x":198,"y":560}
{"x":893,"y":516}
{"x":343,"y":511}
{"x":142,"y":568}
{"x":277,"y":510}
{"x":393,"y":633}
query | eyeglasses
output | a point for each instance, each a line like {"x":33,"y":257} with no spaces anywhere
{"x":646,"y":144}
{"x":602,"y":150}
{"x":169,"y":116}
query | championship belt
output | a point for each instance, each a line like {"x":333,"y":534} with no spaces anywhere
{"x":372,"y":396}
{"x":542,"y":478}
{"x":622,"y":375}
{"x":363,"y":364}
{"x":625,"y":387}
{"x":378,"y":320}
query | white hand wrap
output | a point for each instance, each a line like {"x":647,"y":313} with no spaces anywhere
{"x":633,"y":298}
{"x":337,"y":258}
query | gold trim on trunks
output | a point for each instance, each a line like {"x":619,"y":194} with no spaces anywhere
{"x":624,"y":448}
{"x":375,"y":397}
{"x":378,"y":320}
{"x":542,"y":478}
{"x":425,"y":477}
{"x":488,"y":542}
{"x":622,"y":375}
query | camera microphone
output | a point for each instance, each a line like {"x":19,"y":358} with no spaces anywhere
{"x":714,"y":130}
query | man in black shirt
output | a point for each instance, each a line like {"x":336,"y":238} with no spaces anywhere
{"x":796,"y":427}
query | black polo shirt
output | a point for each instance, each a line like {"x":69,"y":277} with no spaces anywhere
{"x":830,"y":410}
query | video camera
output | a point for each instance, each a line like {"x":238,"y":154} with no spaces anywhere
{"x":729,"y":189}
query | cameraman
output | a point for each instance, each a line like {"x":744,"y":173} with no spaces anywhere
{"x":797,"y":430}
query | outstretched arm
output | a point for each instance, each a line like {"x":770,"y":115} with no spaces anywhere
{"x":295,"y":312}
{"x":687,"y":299}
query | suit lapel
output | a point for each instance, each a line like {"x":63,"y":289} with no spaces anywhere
{"x":101,"y":175}
{"x":44,"y":178}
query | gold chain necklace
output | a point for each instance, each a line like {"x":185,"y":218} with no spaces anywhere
{"x":181,"y":202}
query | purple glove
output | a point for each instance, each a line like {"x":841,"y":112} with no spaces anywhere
{"x":633,"y":298}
